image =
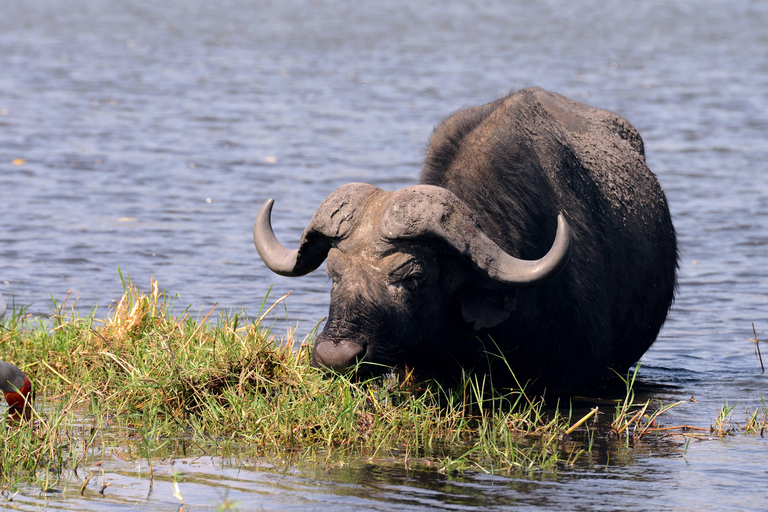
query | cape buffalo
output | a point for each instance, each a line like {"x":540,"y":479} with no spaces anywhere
{"x":536,"y":233}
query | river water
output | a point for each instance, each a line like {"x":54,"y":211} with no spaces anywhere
{"x":143,"y":136}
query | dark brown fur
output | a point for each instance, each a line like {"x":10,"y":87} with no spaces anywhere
{"x":518,"y":161}
{"x":515,"y":163}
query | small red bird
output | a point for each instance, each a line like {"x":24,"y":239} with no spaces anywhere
{"x":15,"y":385}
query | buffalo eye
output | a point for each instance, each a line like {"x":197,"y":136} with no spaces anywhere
{"x":334,"y":277}
{"x":407,"y":277}
{"x":410,"y":281}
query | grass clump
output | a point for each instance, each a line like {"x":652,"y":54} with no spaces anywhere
{"x":146,"y":383}
{"x":154,"y":375}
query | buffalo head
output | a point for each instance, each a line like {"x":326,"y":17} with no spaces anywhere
{"x":399,"y":262}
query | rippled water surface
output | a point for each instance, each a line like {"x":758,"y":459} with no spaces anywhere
{"x":144,"y":136}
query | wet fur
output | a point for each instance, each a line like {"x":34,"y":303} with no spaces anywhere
{"x":516,"y":163}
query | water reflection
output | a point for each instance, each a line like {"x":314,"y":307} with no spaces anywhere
{"x":144,"y":136}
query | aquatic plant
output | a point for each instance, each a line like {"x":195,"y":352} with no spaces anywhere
{"x":146,"y":384}
{"x":166,"y":375}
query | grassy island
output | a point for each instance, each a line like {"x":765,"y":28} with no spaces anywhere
{"x":145,"y":384}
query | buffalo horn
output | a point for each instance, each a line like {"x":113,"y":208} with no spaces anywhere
{"x":334,"y":219}
{"x":426,"y":211}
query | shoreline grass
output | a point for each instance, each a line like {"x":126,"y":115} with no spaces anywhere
{"x":159,"y":379}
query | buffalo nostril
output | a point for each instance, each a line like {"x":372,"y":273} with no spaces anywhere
{"x":338,"y":356}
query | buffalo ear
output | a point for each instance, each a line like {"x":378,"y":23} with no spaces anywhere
{"x":487,"y":308}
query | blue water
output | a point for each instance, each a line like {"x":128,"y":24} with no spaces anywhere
{"x":145,"y":135}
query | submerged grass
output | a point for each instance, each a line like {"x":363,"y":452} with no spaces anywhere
{"x":164,"y":382}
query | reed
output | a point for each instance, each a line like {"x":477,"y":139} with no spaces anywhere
{"x":146,"y":383}
{"x":168,"y":376}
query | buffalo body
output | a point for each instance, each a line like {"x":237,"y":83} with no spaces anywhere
{"x":538,"y":248}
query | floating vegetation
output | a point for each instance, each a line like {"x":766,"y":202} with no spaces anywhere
{"x":146,"y":384}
